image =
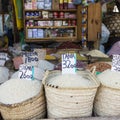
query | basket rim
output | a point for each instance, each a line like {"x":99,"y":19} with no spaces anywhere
{"x":113,"y":88}
{"x":25,"y":101}
{"x":97,"y":84}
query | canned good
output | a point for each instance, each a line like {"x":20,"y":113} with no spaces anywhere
{"x":61,"y":15}
{"x":55,"y":14}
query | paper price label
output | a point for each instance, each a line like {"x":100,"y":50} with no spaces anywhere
{"x":116,"y":63}
{"x":69,"y":63}
{"x":3,"y":58}
{"x":30,"y":57}
{"x":26,"y":72}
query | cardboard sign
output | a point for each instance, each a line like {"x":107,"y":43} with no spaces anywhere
{"x":30,"y":58}
{"x":3,"y":58}
{"x":69,"y":63}
{"x":41,"y":53}
{"x":26,"y":72}
{"x":116,"y":63}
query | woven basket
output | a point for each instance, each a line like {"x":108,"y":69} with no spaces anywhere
{"x":112,"y":22}
{"x":69,"y":102}
{"x":107,"y":102}
{"x":29,"y":109}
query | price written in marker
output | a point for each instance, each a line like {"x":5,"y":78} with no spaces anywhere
{"x":116,"y":63}
{"x":30,"y":58}
{"x":69,"y":63}
{"x":26,"y":72}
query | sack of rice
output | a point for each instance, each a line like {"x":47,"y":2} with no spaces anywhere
{"x":107,"y":102}
{"x":69,"y":95}
{"x":45,"y":65}
{"x":4,"y":74}
{"x":22,"y":99}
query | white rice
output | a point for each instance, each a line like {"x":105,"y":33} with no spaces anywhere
{"x":70,"y":81}
{"x":110,"y":78}
{"x":16,"y":90}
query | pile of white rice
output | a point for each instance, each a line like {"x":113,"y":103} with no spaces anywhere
{"x":110,"y":78}
{"x":70,"y":81}
{"x":17,"y":91}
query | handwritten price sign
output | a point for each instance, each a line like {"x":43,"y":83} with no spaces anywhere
{"x":116,"y":63}
{"x":69,"y":63}
{"x":30,"y":58}
{"x":26,"y":72}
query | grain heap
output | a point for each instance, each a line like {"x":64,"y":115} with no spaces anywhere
{"x":16,"y":90}
{"x":107,"y":102}
{"x":70,"y":81}
{"x":97,"y":53}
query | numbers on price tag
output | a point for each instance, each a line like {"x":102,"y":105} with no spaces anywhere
{"x":26,"y":72}
{"x":116,"y":63}
{"x":30,"y":57}
{"x":69,"y":63}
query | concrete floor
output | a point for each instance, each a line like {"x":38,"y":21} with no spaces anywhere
{"x":89,"y":118}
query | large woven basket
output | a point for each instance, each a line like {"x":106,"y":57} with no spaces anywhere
{"x":107,"y":102}
{"x":69,"y":102}
{"x":29,"y":109}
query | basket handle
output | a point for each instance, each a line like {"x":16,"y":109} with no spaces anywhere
{"x":45,"y":76}
{"x":93,"y":70}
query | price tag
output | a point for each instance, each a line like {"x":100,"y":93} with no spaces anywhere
{"x":26,"y":72}
{"x":116,"y":63}
{"x":69,"y":63}
{"x":30,"y":58}
{"x":41,"y":53}
{"x":3,"y":58}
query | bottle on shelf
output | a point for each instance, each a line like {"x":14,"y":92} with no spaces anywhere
{"x":60,"y":4}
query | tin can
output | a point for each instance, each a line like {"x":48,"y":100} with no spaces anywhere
{"x":61,"y":15}
{"x":55,"y":14}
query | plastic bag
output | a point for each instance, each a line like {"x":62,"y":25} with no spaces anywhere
{"x":105,"y":34}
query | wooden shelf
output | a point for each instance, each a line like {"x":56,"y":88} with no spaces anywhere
{"x":48,"y":19}
{"x":51,"y":27}
{"x":67,"y":10}
{"x":51,"y":39}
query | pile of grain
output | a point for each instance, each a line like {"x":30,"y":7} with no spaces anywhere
{"x":110,"y":78}
{"x":16,"y":90}
{"x":100,"y":66}
{"x":70,"y":81}
{"x":97,"y":53}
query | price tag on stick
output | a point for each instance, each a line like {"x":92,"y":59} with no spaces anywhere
{"x":69,"y":63}
{"x":116,"y":63}
{"x":30,"y":58}
{"x":26,"y":72}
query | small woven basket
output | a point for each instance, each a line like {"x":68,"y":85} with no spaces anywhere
{"x":69,"y":102}
{"x":29,"y":109}
{"x":107,"y":102}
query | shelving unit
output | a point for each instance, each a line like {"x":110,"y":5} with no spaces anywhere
{"x":50,"y":24}
{"x":56,"y":24}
